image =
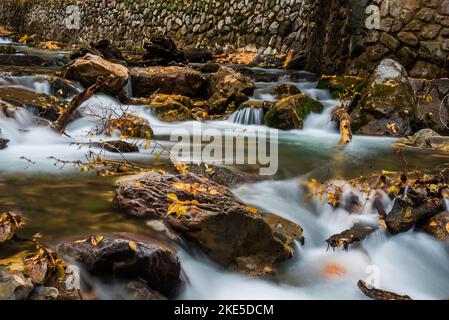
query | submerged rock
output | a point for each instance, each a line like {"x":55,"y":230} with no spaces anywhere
{"x":388,"y":104}
{"x":228,"y":231}
{"x":39,"y":104}
{"x":87,"y":69}
{"x":117,"y":146}
{"x":169,"y":80}
{"x":290,"y":112}
{"x":427,"y":138}
{"x":128,"y":256}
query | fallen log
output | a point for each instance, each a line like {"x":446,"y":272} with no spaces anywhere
{"x":65,"y":117}
{"x":357,"y":233}
{"x":378,"y":294}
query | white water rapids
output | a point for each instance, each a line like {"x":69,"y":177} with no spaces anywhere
{"x":412,"y":263}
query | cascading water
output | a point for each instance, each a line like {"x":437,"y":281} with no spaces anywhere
{"x":248,"y":116}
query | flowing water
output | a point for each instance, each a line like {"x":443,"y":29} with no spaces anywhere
{"x":61,"y":202}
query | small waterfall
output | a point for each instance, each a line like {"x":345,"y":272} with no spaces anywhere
{"x":129,"y":88}
{"x":248,"y":116}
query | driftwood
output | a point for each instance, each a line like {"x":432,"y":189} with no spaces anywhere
{"x":341,"y":115}
{"x":357,"y":233}
{"x":65,"y":117}
{"x":378,"y":294}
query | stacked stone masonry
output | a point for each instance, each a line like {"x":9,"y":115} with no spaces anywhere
{"x":335,"y":36}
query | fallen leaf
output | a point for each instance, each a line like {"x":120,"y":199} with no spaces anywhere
{"x":132,"y":245}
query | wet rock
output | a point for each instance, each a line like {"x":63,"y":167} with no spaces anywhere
{"x":286,"y":90}
{"x":227,"y":82}
{"x":219,"y":175}
{"x":438,"y":226}
{"x":14,"y":285}
{"x":107,"y":50}
{"x":358,"y":232}
{"x":212,"y":217}
{"x":403,"y":216}
{"x":388,"y":105}
{"x":378,"y":294}
{"x":128,"y":256}
{"x":297,"y":61}
{"x":427,"y":138}
{"x":39,"y":104}
{"x":267,"y":61}
{"x":162,"y":51}
{"x":228,"y":87}
{"x":171,"y":108}
{"x":3,"y":143}
{"x":87,"y":69}
{"x":433,"y":112}
{"x":198,"y":55}
{"x":169,"y":80}
{"x":259,"y":75}
{"x":342,"y":85}
{"x":290,"y":112}
{"x":82,"y":52}
{"x":44,"y":293}
{"x":130,"y":125}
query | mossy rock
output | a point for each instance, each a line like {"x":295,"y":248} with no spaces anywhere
{"x":290,"y":112}
{"x":337,"y":85}
{"x":172,"y":108}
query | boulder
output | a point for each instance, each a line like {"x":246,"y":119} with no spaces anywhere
{"x":171,"y":108}
{"x":227,"y":82}
{"x":286,"y":90}
{"x":290,"y":112}
{"x":169,"y":80}
{"x":162,"y":51}
{"x":228,"y":87}
{"x":388,"y":104}
{"x":39,"y":104}
{"x":232,"y":234}
{"x":87,"y":69}
{"x":128,"y":256}
{"x":296,"y":60}
{"x":427,"y":138}
{"x":107,"y":50}
{"x":130,"y":125}
{"x":404,"y":216}
{"x":198,"y":55}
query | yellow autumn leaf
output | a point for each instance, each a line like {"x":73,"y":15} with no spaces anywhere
{"x":447,"y":227}
{"x":138,"y":184}
{"x":178,"y":209}
{"x":172,"y":196}
{"x":251,"y":210}
{"x":213,"y":192}
{"x":132,"y":245}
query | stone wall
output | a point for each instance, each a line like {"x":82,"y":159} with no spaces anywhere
{"x":414,"y":32}
{"x":332,"y":34}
